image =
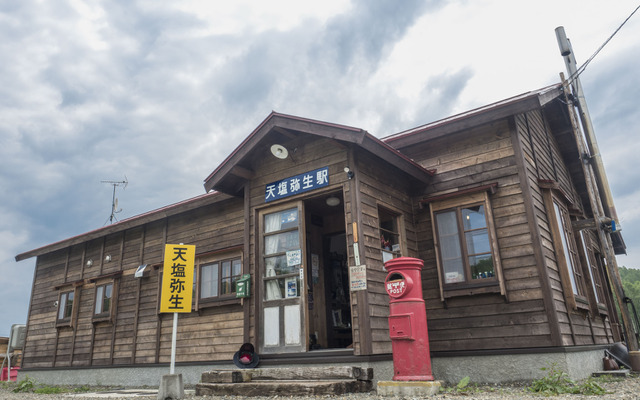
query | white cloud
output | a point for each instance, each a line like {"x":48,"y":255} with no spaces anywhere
{"x":99,"y":90}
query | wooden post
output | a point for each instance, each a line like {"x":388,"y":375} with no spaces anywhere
{"x":603,"y":237}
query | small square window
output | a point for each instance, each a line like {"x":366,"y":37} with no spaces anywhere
{"x":104,"y":295}
{"x":218,"y":278}
{"x":390,"y":239}
{"x":65,"y":306}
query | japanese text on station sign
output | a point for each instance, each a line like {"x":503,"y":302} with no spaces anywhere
{"x":177,"y":278}
{"x":297,"y":184}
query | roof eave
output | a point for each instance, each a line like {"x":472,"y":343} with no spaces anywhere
{"x":129,"y":223}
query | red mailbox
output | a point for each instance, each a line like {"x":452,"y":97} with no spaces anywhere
{"x":408,"y":320}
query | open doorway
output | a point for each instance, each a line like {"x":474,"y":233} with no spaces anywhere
{"x":328,"y":276}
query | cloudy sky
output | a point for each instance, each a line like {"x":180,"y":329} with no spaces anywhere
{"x":162,"y":92}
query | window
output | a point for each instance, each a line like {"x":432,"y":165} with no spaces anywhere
{"x":465,"y":248}
{"x":65,"y":306}
{"x":465,"y":242}
{"x":282,"y":255}
{"x":390,"y":241}
{"x":592,"y":258}
{"x":104,"y":294}
{"x":568,"y":254}
{"x":218,"y":278}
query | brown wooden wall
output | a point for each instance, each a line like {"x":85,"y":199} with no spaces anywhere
{"x":482,"y":156}
{"x":138,"y":334}
{"x":311,"y":153}
{"x":543,"y":161}
{"x":379,"y":185}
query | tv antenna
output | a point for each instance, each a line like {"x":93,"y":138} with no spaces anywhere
{"x":114,"y":201}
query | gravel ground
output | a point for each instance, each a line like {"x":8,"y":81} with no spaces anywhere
{"x":617,"y":388}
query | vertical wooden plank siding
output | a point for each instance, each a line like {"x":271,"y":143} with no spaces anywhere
{"x":364,"y":339}
{"x":482,"y":156}
{"x":527,"y":180}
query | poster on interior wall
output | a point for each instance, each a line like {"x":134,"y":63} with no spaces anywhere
{"x":293,"y":185}
{"x":294,"y":257}
{"x":358,"y":278}
{"x":292,"y":287}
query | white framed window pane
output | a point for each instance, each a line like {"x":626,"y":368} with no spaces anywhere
{"x":274,"y":289}
{"x":69,"y":305}
{"x":450,"y":249}
{"x":588,"y":259}
{"x":272,"y":326}
{"x":473,"y":218}
{"x":99,"y":297}
{"x":281,"y":220}
{"x":237,"y":267}
{"x":108,"y":291}
{"x":478,"y":242}
{"x":62,"y":306}
{"x":292,"y":326}
{"x":209,"y":282}
{"x":278,"y":266}
{"x":565,"y":248}
{"x":281,"y":242}
{"x":481,"y":266}
{"x":447,"y":224}
{"x":226,"y":269}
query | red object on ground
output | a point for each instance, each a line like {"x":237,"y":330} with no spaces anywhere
{"x":408,"y":320}
{"x":14,"y":374}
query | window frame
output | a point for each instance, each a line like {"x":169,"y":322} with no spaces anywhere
{"x":63,"y":301}
{"x":590,"y":253}
{"x":467,"y":287}
{"x":104,"y":315}
{"x":397,"y":219}
{"x":562,"y":232}
{"x":63,"y":292}
{"x":219,"y":299}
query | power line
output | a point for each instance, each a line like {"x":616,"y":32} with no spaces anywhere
{"x":584,"y":66}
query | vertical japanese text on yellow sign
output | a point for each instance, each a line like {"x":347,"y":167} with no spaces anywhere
{"x":177,"y":278}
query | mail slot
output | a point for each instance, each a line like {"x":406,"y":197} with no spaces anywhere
{"x":400,"y":326}
{"x":408,"y":320}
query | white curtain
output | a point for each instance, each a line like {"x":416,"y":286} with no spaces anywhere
{"x":272,"y":224}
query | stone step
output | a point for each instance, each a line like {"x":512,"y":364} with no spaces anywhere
{"x":284,"y":388}
{"x":289,"y":374}
{"x":312,"y":373}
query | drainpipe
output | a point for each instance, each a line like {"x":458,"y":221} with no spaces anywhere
{"x":602,"y":190}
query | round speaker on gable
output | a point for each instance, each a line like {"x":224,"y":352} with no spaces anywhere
{"x":279,"y":151}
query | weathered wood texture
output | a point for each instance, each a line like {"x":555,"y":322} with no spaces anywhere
{"x":470,"y":159}
{"x":544,"y":161}
{"x":131,"y":335}
{"x":310,"y":153}
{"x":380,"y":186}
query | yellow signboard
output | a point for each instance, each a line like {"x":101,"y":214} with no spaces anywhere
{"x":177,"y":278}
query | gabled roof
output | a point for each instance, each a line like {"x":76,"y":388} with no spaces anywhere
{"x":138,"y":220}
{"x":230,"y":175}
{"x":479,"y":116}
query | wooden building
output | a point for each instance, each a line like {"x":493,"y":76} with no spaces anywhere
{"x":489,"y":199}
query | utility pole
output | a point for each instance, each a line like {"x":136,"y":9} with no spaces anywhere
{"x":599,"y":192}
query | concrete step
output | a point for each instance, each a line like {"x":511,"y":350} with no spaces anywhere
{"x":284,"y":387}
{"x":289,"y":374}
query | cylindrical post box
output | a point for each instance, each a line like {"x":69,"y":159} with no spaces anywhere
{"x":408,"y":320}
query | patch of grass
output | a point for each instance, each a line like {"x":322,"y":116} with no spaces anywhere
{"x":25,"y":385}
{"x":466,"y":387}
{"x":49,"y":390}
{"x":558,"y":382}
